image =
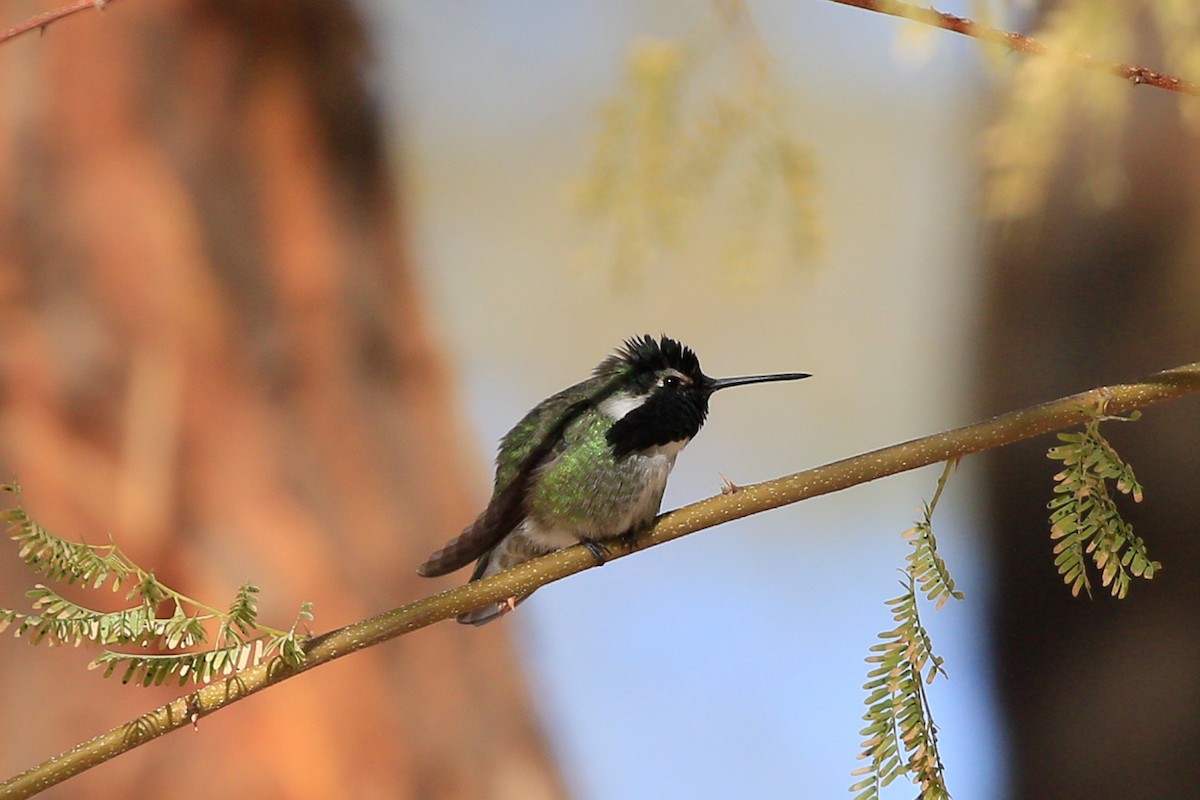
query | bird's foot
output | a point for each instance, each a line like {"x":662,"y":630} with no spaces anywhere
{"x":598,"y":551}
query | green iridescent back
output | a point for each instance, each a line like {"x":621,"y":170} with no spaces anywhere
{"x":535,"y":426}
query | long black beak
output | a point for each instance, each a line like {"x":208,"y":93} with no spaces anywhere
{"x":724,"y":383}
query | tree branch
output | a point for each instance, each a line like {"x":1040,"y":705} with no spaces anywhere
{"x":40,"y":21}
{"x":1002,"y":430}
{"x":1021,"y":43}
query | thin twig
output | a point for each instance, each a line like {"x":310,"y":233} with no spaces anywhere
{"x":1002,"y":430}
{"x":40,"y":21}
{"x":1022,"y":44}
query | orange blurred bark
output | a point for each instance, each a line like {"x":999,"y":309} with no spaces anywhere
{"x":212,"y":347}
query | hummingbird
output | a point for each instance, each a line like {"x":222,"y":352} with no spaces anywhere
{"x":590,"y":463}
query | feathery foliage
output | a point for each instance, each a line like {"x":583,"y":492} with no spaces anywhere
{"x":241,"y":640}
{"x":1084,"y":519}
{"x":926,"y":567}
{"x":901,"y":738}
{"x":664,"y":146}
{"x":60,"y":560}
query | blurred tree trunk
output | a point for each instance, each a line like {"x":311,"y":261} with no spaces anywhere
{"x":1101,"y":695}
{"x":214,"y":350}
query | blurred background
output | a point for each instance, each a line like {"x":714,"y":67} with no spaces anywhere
{"x":277,"y":277}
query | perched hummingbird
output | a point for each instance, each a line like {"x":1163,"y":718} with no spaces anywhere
{"x":589,"y":463}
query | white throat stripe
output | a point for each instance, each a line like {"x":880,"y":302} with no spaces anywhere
{"x":618,"y":406}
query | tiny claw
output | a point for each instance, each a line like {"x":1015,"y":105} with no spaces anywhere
{"x":598,"y":551}
{"x":508,"y":604}
{"x":728,"y":486}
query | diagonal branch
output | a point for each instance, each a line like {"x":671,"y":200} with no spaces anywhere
{"x":999,"y":431}
{"x":38,"y":22}
{"x":1021,"y":43}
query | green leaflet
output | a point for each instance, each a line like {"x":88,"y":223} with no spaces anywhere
{"x":1084,"y":519}
{"x":900,"y":737}
{"x":241,"y":640}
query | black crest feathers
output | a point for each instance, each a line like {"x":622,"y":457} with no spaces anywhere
{"x":644,"y":354}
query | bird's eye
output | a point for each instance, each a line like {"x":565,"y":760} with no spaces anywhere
{"x":671,"y":382}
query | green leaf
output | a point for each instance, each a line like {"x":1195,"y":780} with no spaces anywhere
{"x":1085,"y":520}
{"x":900,"y":738}
{"x":63,"y":561}
{"x":243,"y":640}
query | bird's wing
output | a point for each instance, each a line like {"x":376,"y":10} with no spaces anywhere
{"x":533,"y":440}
